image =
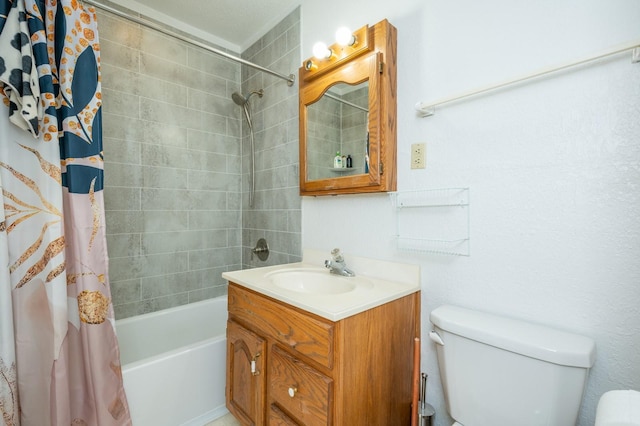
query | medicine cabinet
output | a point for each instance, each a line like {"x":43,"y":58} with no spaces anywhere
{"x":348,"y":105}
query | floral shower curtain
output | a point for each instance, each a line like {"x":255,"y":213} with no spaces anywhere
{"x":59,"y":357}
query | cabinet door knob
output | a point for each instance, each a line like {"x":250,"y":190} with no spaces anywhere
{"x":292,"y":391}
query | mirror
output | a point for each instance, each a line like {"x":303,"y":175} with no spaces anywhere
{"x":337,"y":123}
{"x":348,"y":106}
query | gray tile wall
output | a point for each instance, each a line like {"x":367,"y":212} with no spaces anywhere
{"x":276,"y":214}
{"x":173,"y":166}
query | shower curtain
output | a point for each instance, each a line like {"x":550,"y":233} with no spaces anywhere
{"x":59,"y":356}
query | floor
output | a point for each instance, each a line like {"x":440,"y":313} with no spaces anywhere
{"x":227,"y":420}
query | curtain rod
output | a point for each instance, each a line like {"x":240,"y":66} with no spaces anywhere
{"x":426,"y":109}
{"x":290,"y":78}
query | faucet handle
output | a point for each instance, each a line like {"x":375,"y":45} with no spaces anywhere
{"x":337,"y":256}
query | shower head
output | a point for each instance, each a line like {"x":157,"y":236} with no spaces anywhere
{"x":242,"y":100}
{"x":238,"y":98}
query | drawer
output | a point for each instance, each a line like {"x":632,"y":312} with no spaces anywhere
{"x":309,"y":336}
{"x":299,"y":389}
{"x":278,"y":418}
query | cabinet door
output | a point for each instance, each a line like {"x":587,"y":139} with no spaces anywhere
{"x":246,"y":375}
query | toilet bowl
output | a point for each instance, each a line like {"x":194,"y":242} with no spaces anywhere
{"x":619,"y":408}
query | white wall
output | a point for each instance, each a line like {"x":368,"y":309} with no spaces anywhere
{"x":553,"y":166}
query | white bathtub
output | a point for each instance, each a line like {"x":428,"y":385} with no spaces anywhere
{"x":173,"y":364}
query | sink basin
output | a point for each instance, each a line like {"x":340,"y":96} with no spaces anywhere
{"x":313,"y":281}
{"x":309,"y":286}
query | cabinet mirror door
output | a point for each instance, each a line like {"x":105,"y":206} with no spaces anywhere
{"x":339,"y":113}
{"x":337,"y":124}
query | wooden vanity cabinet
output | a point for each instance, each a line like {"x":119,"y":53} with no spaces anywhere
{"x":286,"y":366}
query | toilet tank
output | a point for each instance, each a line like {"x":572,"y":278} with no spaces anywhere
{"x":504,"y":372}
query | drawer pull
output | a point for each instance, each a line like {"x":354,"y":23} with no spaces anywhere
{"x":253,"y":365}
{"x":292,"y":391}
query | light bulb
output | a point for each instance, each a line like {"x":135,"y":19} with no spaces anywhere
{"x":344,"y":37}
{"x":321,"y":51}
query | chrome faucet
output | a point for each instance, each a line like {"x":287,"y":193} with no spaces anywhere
{"x":337,"y":264}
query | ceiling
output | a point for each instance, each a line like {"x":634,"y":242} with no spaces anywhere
{"x":239,"y":23}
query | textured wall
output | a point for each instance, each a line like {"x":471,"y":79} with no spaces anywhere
{"x":275,"y":215}
{"x":553,"y":166}
{"x":173,"y":168}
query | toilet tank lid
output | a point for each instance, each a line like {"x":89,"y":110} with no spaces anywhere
{"x":532,"y":340}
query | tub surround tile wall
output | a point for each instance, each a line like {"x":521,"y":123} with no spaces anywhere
{"x":172,"y":168}
{"x":177,"y":162}
{"x":276,"y":212}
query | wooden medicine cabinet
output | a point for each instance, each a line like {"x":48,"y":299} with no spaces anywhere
{"x":348,"y":105}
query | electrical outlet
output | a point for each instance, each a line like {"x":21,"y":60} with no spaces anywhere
{"x":418,"y":156}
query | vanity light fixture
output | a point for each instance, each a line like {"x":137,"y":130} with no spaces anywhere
{"x":325,"y":58}
{"x":344,"y":37}
{"x":321,"y":51}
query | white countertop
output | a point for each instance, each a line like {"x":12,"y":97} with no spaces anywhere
{"x":376,"y":282}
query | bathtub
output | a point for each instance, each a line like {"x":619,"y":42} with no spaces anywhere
{"x":173,"y":364}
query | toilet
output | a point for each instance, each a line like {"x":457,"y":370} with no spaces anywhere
{"x":619,"y":408}
{"x":504,"y":372}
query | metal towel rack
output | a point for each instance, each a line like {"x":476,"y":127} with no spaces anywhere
{"x":426,"y":109}
{"x":433,"y":221}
